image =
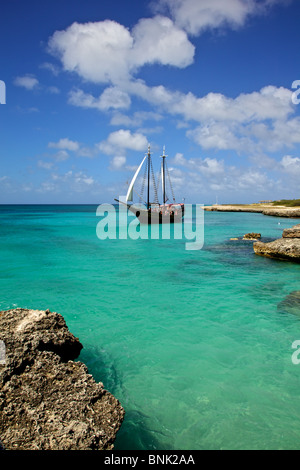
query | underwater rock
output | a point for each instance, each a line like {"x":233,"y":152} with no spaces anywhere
{"x":48,"y":401}
{"x":291,"y":304}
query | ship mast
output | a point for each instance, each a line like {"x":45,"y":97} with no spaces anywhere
{"x":148,"y":189}
{"x":163,"y":156}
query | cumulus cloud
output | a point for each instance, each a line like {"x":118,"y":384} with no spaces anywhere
{"x":118,"y":162}
{"x":196,"y":16}
{"x":61,"y":156}
{"x":214,"y":174}
{"x":111,"y":98}
{"x":76,"y":181}
{"x":123,"y":140}
{"x":45,"y":165}
{"x":291,"y":165}
{"x":65,"y":144}
{"x":27,"y":81}
{"x":258,"y":121}
{"x":107,"y":52}
{"x":138,"y":118}
{"x":159,"y":40}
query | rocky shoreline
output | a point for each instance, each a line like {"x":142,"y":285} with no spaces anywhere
{"x":285,"y":248}
{"x":47,"y":400}
{"x":275,"y":211}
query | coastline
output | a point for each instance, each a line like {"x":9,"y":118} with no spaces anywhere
{"x":265,"y":209}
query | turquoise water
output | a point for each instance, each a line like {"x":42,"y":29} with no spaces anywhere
{"x":191,"y":342}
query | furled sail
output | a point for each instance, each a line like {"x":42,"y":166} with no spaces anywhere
{"x":163,"y":182}
{"x":129,"y":196}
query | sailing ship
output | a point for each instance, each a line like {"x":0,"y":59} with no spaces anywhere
{"x":153,"y":212}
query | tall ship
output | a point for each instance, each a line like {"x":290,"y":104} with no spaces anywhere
{"x":153,"y":212}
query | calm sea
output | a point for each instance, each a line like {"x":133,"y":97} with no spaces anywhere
{"x":192,"y":343}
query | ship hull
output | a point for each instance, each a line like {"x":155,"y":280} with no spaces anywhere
{"x":157,"y":217}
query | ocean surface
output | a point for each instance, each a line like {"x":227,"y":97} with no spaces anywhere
{"x":196,"y":345}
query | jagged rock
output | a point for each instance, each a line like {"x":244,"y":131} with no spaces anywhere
{"x":48,"y":401}
{"x":252,"y":236}
{"x":293,"y":232}
{"x":283,"y":248}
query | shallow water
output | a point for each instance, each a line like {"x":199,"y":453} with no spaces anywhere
{"x":191,"y":342}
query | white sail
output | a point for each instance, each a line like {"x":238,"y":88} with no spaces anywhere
{"x":129,"y":196}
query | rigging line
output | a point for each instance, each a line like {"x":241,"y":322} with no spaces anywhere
{"x":140,"y":196}
{"x":158,"y":179}
{"x":170,"y":182}
{"x":154,"y":185}
{"x":143,"y":182}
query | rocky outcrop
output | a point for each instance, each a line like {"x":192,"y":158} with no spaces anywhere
{"x":293,"y":232}
{"x":282,"y":249}
{"x":252,"y":236}
{"x":48,"y":401}
{"x":287,"y":247}
{"x":234,"y":208}
{"x":275,"y":211}
{"x":283,"y":212}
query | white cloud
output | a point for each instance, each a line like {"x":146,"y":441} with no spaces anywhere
{"x":74,"y":181}
{"x":53,"y":90}
{"x":123,"y":140}
{"x":138,"y":118}
{"x":111,"y":98}
{"x":45,"y":165}
{"x":214,"y":174}
{"x":27,"y":81}
{"x":61,"y":156}
{"x":107,"y":52}
{"x":159,"y":40}
{"x":291,"y":165}
{"x":251,"y":122}
{"x":96,"y":51}
{"x":65,"y":144}
{"x":118,"y":162}
{"x":51,"y":67}
{"x":196,"y":16}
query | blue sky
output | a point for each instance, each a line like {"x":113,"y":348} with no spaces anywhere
{"x":90,"y":83}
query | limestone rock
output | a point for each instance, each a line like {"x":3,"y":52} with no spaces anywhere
{"x":252,"y":236}
{"x":293,"y":232}
{"x":282,"y":212}
{"x":283,"y":248}
{"x":48,"y":401}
